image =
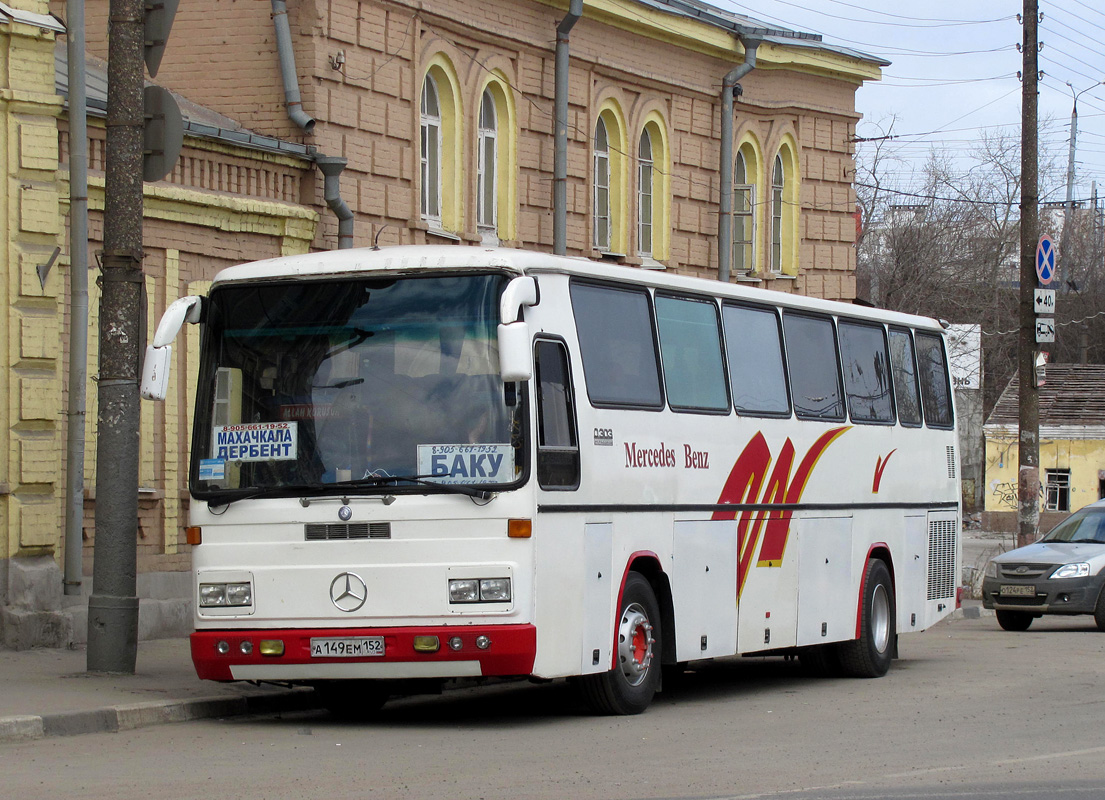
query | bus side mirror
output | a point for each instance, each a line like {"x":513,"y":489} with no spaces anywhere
{"x":515,"y":362}
{"x":155,"y":366}
{"x":515,"y":357}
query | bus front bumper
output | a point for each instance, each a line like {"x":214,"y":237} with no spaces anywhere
{"x":311,"y":654}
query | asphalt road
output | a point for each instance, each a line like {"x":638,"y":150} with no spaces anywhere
{"x":967,"y":711}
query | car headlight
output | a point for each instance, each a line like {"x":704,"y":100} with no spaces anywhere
{"x":991,"y":569}
{"x":1079,"y":570}
{"x":225,"y":594}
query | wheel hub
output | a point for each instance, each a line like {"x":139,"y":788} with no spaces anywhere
{"x":635,"y":644}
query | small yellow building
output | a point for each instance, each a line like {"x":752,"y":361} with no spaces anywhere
{"x":1072,"y":446}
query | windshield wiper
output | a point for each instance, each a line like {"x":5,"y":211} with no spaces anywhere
{"x":252,"y":493}
{"x":394,"y":480}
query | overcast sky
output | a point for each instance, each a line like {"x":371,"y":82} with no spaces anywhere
{"x":953,"y":72}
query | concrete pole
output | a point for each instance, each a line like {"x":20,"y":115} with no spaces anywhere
{"x":1028,"y":477}
{"x":113,"y":606}
{"x":78,"y":299}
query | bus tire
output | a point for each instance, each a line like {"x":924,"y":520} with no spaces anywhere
{"x":870,"y":655}
{"x":822,"y":660}
{"x":352,"y":699}
{"x":630,"y":686}
{"x":1017,"y":620}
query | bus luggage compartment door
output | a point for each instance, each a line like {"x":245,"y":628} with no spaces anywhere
{"x":826,"y":596}
{"x":704,"y":588}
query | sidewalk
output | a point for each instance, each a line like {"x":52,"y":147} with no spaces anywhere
{"x":49,"y":692}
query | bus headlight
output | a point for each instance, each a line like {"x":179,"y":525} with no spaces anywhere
{"x":226,"y":595}
{"x":479,"y":590}
{"x":495,"y":590}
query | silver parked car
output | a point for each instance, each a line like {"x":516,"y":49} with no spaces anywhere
{"x":1063,"y":573}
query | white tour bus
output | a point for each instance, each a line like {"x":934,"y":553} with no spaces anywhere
{"x":426,"y":463}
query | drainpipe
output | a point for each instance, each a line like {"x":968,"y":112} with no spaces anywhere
{"x":725,"y":204}
{"x":78,"y":299}
{"x":292,"y":99}
{"x":331,"y":167}
{"x":560,"y":142}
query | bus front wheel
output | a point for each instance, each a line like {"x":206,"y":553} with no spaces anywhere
{"x":870,"y":655}
{"x":630,"y":686}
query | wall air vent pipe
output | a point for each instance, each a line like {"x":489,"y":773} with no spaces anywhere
{"x":725,"y":200}
{"x":292,"y":100}
{"x":560,"y":132}
{"x":331,"y":168}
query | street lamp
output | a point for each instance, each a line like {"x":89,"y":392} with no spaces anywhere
{"x":1073,"y":141}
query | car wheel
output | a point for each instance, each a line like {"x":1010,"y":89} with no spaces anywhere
{"x":630,"y":686}
{"x":1099,"y":611}
{"x":870,"y":655}
{"x":1017,"y":620}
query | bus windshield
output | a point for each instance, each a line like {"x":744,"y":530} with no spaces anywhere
{"x":353,"y":385}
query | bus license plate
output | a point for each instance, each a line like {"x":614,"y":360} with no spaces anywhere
{"x":348,"y":647}
{"x":1017,"y":590}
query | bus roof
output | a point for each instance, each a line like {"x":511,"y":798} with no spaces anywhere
{"x":408,"y":259}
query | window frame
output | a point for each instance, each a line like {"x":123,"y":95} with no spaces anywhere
{"x":644,"y":163}
{"x":651,"y":316}
{"x":908,"y":333}
{"x":798,"y":314}
{"x":430,"y":125}
{"x":705,"y":300}
{"x":572,"y":411}
{"x":487,"y":218}
{"x":601,"y":211}
{"x":917,"y":336}
{"x":1060,"y":490}
{"x":848,"y":321}
{"x":775,"y":312}
{"x":777,"y":202}
{"x":746,"y":189}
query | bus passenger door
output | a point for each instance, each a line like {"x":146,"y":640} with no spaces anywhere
{"x":826,"y":590}
{"x":704,"y":588}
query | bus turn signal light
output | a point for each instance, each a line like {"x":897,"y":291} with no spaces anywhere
{"x":193,"y":535}
{"x":519,"y":528}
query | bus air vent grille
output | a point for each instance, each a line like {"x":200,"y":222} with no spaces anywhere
{"x":319,"y":531}
{"x":951,"y":462}
{"x":941,"y":577}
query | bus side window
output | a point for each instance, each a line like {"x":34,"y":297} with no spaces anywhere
{"x":866,"y":372}
{"x":935,"y":392}
{"x":557,"y":444}
{"x":907,"y":395}
{"x":814,"y":367}
{"x":757,"y":370}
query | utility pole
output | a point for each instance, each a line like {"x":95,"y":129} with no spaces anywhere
{"x":1028,"y":476}
{"x":113,"y":606}
{"x":1068,"y":208}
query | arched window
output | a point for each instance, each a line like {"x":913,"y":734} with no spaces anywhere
{"x":778,"y":187}
{"x":488,"y":164}
{"x":645,"y":190}
{"x":601,"y":238}
{"x":744,"y":193}
{"x":431,"y":152}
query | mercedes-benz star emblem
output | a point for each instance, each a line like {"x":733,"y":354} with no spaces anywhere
{"x":348,"y":592}
{"x":345,"y":513}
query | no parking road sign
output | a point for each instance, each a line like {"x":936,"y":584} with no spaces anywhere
{"x":1045,"y":260}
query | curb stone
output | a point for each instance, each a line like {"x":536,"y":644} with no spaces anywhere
{"x":113,"y":719}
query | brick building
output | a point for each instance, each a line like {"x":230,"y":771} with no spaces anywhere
{"x":443,"y":114}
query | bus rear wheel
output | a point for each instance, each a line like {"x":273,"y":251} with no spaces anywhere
{"x":630,"y":686}
{"x":870,"y":655}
